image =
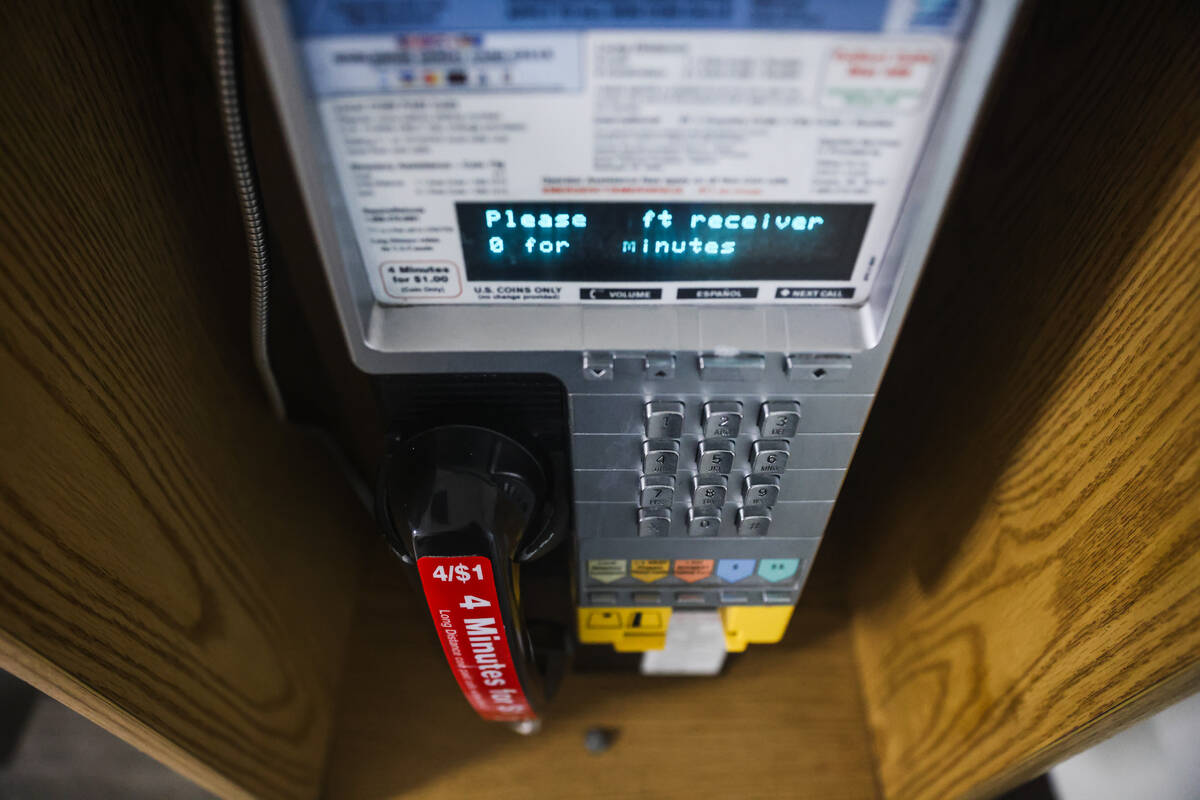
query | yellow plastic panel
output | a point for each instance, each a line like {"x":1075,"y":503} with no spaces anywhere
{"x":754,"y":625}
{"x":628,"y":630}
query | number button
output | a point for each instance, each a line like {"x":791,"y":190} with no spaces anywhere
{"x":761,"y":491}
{"x":656,"y":491}
{"x":753,"y":521}
{"x":769,"y":457}
{"x":714,"y":457}
{"x":703,"y":523}
{"x":664,"y":419}
{"x":708,"y":495}
{"x":779,"y":418}
{"x":722,"y":418}
{"x":654,"y":522}
{"x":660,"y":457}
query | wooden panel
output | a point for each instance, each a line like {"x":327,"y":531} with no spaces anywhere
{"x":174,"y":563}
{"x":783,"y":721}
{"x":1025,"y":510}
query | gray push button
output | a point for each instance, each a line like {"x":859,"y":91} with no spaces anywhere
{"x":654,"y":521}
{"x":660,"y":457}
{"x":736,"y":367}
{"x":779,"y":418}
{"x":664,"y":419}
{"x":753,"y":521}
{"x":761,"y":491}
{"x":769,"y":457}
{"x":722,"y":418}
{"x":714,"y":457}
{"x":703,"y":523}
{"x":708,"y":495}
{"x":656,"y":491}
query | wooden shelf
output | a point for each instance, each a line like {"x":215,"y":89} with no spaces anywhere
{"x":403,"y":729}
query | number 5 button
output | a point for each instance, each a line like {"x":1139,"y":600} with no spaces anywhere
{"x":769,"y":457}
{"x":714,"y":457}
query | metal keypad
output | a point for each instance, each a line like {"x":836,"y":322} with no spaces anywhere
{"x":664,"y":419}
{"x":660,"y":457}
{"x":779,"y":418}
{"x":714,"y":457}
{"x":722,"y":418}
{"x":706,"y":489}
{"x":769,"y":457}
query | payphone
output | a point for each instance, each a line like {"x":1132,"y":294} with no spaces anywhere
{"x":626,"y":276}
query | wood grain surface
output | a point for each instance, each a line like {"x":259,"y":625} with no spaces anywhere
{"x":782,"y":721}
{"x":174,"y":563}
{"x":1023,"y":517}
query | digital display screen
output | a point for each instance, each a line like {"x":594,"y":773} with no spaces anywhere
{"x":661,"y":242}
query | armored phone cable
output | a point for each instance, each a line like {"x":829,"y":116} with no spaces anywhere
{"x":246,"y":182}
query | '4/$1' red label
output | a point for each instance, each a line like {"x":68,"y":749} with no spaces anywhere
{"x":461,"y":592}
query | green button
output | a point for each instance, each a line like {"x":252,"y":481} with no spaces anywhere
{"x":777,"y":569}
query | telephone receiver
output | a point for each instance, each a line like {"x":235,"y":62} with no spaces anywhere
{"x":466,"y":506}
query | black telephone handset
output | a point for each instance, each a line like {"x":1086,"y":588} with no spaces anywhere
{"x":466,"y":505}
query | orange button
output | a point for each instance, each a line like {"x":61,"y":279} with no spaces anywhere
{"x":693,"y":569}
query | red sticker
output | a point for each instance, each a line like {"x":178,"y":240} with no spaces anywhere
{"x":461,"y":593}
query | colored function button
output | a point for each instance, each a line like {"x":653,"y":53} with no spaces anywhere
{"x":753,"y":521}
{"x":654,"y":521}
{"x":732,"y":570}
{"x":779,"y":418}
{"x":649,"y":570}
{"x":777,"y":569}
{"x":660,"y":457}
{"x":761,"y":491}
{"x":701,"y":523}
{"x":691,"y":570}
{"x":715,"y":457}
{"x":664,"y":419}
{"x":656,"y":491}
{"x":708,"y":495}
{"x":769,"y":457}
{"x":606,"y":570}
{"x":722,"y":418}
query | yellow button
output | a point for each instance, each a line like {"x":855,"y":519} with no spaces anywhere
{"x":649,"y":569}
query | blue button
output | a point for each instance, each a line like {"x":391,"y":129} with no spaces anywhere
{"x":732,"y":570}
{"x":777,"y":569}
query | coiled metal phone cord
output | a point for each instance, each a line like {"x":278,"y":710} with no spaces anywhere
{"x":246,"y":183}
